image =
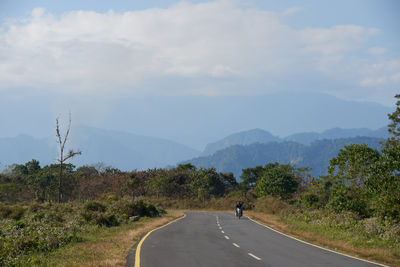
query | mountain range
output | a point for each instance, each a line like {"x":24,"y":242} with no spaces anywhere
{"x":192,"y":120}
{"x":127,"y":151}
{"x":306,"y":138}
{"x":315,"y":156}
{"x":121,"y":150}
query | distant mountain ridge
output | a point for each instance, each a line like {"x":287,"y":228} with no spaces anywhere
{"x":306,"y":138}
{"x":241,"y":138}
{"x":128,"y":151}
{"x":196,"y":120}
{"x":316,"y":155}
{"x":121,"y":150}
{"x":335,"y":133}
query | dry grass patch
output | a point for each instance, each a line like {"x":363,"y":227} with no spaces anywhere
{"x":381,"y":255}
{"x":108,"y":246}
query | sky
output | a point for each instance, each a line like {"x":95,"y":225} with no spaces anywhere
{"x":86,"y":56}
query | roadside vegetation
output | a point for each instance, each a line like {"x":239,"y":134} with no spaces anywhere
{"x":355,"y":208}
{"x":27,"y":232}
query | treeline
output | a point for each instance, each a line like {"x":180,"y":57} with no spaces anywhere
{"x":30,"y":181}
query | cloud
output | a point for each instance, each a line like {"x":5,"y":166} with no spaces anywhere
{"x":396,"y":77}
{"x":377,"y":50}
{"x":334,"y":40}
{"x":373,"y":81}
{"x":135,"y":52}
{"x":380,"y":80}
{"x":291,"y":10}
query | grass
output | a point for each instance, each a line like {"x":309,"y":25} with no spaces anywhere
{"x":335,"y":238}
{"x":104,"y":246}
{"x":29,"y":232}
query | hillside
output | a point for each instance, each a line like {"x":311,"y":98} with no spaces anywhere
{"x":335,"y":133}
{"x":305,"y":138}
{"x":121,"y":150}
{"x":316,"y":155}
{"x":196,"y":121}
{"x":241,"y":138}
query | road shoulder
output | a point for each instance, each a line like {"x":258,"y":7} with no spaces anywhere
{"x":314,"y":239}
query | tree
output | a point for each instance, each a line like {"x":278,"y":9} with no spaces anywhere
{"x":186,"y":167}
{"x":205,"y":183}
{"x":352,"y":165}
{"x":394,"y":126}
{"x":228,"y":179}
{"x":278,"y":181}
{"x":251,"y":175}
{"x":384,"y":181}
{"x":32,"y":166}
{"x":131,"y":184}
{"x":43,"y":182}
{"x":63,"y":157}
{"x":157,"y":185}
{"x":348,"y":173}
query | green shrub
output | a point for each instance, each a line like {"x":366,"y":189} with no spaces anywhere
{"x":342,"y":200}
{"x":142,"y":208}
{"x":95,"y":206}
{"x":11,"y":212}
{"x":87,"y":215}
{"x":107,"y":220}
{"x":310,"y":200}
{"x":47,"y":227}
{"x":136,"y":208}
{"x":109,"y":197}
{"x":35,"y":207}
{"x":55,"y":217}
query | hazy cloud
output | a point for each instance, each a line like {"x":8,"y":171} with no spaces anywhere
{"x":99,"y":53}
{"x":396,"y":77}
{"x":377,"y":50}
{"x":291,"y":10}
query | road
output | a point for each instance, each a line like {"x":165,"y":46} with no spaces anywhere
{"x":220,"y":239}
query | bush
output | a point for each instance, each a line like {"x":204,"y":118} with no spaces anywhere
{"x":271,"y":205}
{"x":11,"y":212}
{"x":310,"y":200}
{"x":100,"y":219}
{"x":140,"y":208}
{"x":47,"y":227}
{"x":341,"y":200}
{"x":107,"y":220}
{"x":95,"y":206}
{"x":44,"y":228}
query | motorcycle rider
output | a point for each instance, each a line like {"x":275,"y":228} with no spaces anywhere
{"x":239,"y":207}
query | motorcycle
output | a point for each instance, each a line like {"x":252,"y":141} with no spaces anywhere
{"x":239,"y":212}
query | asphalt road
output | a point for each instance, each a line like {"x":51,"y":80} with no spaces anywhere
{"x":220,"y":239}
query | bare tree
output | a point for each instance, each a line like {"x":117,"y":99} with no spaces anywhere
{"x":62,"y":158}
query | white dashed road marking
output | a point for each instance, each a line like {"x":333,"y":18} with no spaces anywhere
{"x":236,"y":245}
{"x":254,"y":256}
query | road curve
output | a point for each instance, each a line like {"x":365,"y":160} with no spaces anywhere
{"x":220,"y":239}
